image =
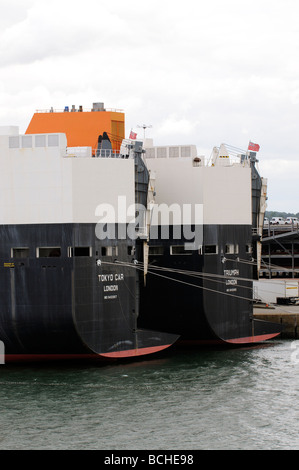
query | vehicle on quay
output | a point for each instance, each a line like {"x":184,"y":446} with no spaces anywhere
{"x":292,"y":221}
{"x":277,"y":221}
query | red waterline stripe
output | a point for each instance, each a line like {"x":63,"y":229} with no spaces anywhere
{"x":135,"y":352}
{"x":59,"y":357}
{"x":252,"y":339}
{"x":47,"y":357}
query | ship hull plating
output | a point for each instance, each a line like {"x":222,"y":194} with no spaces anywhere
{"x":62,"y":295}
{"x":204,"y":295}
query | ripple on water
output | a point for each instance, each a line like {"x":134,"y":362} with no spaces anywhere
{"x":222,"y":399}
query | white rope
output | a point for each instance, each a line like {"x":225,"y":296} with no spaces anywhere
{"x":140,"y":268}
{"x":212,"y":277}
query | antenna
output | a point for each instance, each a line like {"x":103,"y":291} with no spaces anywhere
{"x":144,"y":126}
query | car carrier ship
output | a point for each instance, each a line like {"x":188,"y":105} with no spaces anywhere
{"x":204,"y":245}
{"x":81,"y":278}
{"x":58,"y":299}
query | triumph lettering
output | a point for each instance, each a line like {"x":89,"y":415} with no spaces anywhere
{"x":231,"y":272}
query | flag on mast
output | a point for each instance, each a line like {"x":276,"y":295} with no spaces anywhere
{"x":254,"y":147}
{"x":133,"y":135}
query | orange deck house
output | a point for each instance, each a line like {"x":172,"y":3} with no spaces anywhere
{"x":82,"y":128}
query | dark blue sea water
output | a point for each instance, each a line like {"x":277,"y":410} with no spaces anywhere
{"x":189,"y":400}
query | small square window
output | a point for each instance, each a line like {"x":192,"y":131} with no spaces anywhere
{"x":161,"y":152}
{"x":49,"y":252}
{"x":40,"y":141}
{"x":20,"y":252}
{"x":150,"y":153}
{"x":106,"y":250}
{"x":79,"y":251}
{"x":131,"y":250}
{"x":174,"y":152}
{"x":210,"y":249}
{"x":14,"y":142}
{"x":186,"y":151}
{"x":53,"y":140}
{"x":156,"y":250}
{"x":180,"y":250}
{"x":26,"y":141}
{"x":229,"y":249}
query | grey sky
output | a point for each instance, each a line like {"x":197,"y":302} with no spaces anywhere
{"x":199,"y":72}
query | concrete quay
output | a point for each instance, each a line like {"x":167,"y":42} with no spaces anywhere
{"x":287,"y":315}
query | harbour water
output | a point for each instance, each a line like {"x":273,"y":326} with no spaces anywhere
{"x":187,"y":400}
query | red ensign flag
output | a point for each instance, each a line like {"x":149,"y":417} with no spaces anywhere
{"x":133,"y":135}
{"x":253,"y":146}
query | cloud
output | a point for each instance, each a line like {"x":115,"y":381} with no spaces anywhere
{"x":57,"y":29}
{"x":13,"y":11}
{"x":206,"y":72}
{"x":283,"y":188}
{"x":174,"y":126}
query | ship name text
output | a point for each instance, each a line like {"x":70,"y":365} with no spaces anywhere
{"x":232,"y":283}
{"x":107,"y":281}
{"x":231,"y":272}
{"x":110,"y":277}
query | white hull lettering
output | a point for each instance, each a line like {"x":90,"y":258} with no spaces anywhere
{"x":231,"y":272}
{"x":110,"y":277}
{"x":111,"y":288}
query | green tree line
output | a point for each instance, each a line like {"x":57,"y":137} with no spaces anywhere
{"x":271,"y":214}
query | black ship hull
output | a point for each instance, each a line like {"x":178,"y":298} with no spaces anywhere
{"x":205,"y":295}
{"x":57,"y":299}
